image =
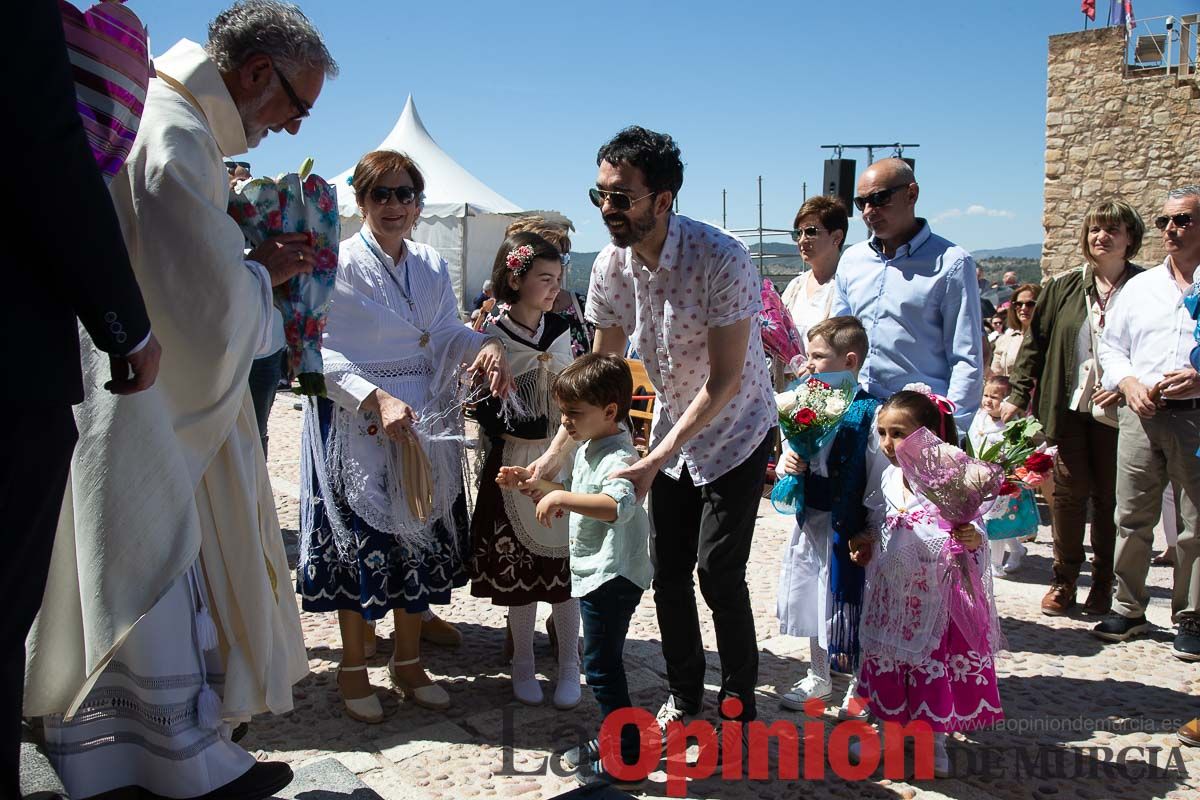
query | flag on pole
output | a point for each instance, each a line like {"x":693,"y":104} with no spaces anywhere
{"x":1088,"y":7}
{"x":1120,"y":12}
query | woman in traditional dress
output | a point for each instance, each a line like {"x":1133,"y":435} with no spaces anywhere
{"x":515,"y":560}
{"x":380,"y":531}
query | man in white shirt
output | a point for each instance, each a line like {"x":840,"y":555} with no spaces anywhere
{"x":688,"y":296}
{"x":1144,"y":353}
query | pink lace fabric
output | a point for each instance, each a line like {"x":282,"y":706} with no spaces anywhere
{"x":922,"y":581}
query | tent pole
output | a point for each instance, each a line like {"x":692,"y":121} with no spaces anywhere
{"x":462,"y":265}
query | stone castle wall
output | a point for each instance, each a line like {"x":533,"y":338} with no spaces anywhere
{"x":1111,"y":134}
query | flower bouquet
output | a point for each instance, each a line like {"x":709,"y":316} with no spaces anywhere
{"x":1191,"y":301}
{"x":809,"y":414}
{"x":960,"y":487}
{"x":779,"y":335}
{"x":1026,"y":465}
{"x":296,"y":203}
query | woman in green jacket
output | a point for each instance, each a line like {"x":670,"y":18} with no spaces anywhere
{"x":1057,"y":375}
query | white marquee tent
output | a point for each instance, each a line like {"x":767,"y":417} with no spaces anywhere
{"x":464,"y":219}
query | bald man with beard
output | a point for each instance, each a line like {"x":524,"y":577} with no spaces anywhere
{"x":916,"y":294}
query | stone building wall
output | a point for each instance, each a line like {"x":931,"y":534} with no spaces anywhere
{"x":1111,"y":134}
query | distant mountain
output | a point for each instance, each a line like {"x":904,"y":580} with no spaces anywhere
{"x":1021,"y":251}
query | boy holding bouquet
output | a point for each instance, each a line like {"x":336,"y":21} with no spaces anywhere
{"x":822,"y":577}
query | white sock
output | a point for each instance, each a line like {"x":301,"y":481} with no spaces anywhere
{"x":566,"y":625}
{"x":525,"y":684}
{"x":997,"y":548}
{"x":819,"y":658}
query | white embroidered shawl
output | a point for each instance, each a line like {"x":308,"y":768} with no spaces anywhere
{"x":374,"y":339}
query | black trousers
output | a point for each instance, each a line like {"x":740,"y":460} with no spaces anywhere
{"x":33,"y":476}
{"x":707,"y":529}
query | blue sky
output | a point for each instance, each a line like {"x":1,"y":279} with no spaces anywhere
{"x":522,"y":95}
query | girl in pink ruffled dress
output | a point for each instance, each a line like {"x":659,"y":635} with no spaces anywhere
{"x":929,"y":629}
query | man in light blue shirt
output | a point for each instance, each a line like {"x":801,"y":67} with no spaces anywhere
{"x":915,"y":293}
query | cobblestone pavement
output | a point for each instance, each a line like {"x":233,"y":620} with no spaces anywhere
{"x":1063,"y":691}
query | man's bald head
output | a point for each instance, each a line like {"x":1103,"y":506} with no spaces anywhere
{"x":892,"y":183}
{"x":889,"y":172}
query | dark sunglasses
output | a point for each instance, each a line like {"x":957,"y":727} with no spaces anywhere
{"x":811,"y":231}
{"x":1180,"y":220}
{"x":302,"y":108}
{"x":618,"y":201}
{"x":1025,"y":304}
{"x":405,"y":195}
{"x":877,"y":199}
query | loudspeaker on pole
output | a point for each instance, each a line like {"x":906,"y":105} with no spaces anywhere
{"x":839,"y":181}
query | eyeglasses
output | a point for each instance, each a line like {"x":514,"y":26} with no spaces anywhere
{"x":811,"y":231}
{"x":1025,"y":304}
{"x":618,"y":200}
{"x":302,"y":108}
{"x":1180,"y":220}
{"x":877,"y":199}
{"x":405,"y":195}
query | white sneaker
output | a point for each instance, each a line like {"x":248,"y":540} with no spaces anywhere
{"x":853,"y":706}
{"x":670,"y":712}
{"x":998,"y":571}
{"x":807,"y":688}
{"x":1015,"y":558}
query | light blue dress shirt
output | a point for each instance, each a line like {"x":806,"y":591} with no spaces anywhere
{"x":923,"y":318}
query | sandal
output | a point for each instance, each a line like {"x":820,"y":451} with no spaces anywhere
{"x":364,"y":709}
{"x":429,"y":696}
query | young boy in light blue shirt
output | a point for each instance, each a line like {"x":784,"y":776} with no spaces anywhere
{"x":609,"y":529}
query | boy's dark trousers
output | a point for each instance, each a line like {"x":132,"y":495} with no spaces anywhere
{"x":606,"y":613}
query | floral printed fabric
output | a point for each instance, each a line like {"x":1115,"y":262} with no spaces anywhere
{"x":264,"y":208}
{"x":953,"y":689}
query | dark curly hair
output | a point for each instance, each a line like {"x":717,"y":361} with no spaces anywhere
{"x":655,"y":154}
{"x":500,"y":271}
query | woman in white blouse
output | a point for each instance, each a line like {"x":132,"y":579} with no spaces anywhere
{"x":375,"y":537}
{"x":820,"y":232}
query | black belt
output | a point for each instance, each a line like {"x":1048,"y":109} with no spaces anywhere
{"x":1182,"y":405}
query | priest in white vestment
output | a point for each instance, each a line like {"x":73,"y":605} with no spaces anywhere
{"x":169,"y":614}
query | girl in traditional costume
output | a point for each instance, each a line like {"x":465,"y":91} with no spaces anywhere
{"x":383,"y":518}
{"x":515,"y":560}
{"x":929,"y":630}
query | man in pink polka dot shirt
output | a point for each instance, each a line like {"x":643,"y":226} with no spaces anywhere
{"x":688,"y":296}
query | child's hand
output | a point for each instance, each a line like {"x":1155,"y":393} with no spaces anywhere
{"x":513,"y":477}
{"x":968,"y":536}
{"x":792,"y":464}
{"x":549,"y":508}
{"x":860,"y":550}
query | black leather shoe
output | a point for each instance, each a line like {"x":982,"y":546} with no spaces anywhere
{"x":262,"y":780}
{"x":1116,"y":628}
{"x":1187,"y":640}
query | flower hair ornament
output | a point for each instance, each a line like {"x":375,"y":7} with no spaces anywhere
{"x":944,"y":404}
{"x":519,"y":259}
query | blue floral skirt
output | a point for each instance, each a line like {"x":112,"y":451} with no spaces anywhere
{"x":386,"y":574}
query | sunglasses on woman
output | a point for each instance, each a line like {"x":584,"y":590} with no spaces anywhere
{"x":618,"y":201}
{"x":1180,"y":220}
{"x":877,"y":199}
{"x":1025,"y":304}
{"x":811,"y":231}
{"x":405,"y":195}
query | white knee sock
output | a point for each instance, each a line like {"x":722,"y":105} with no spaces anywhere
{"x":525,"y":684}
{"x":819,"y":658}
{"x":566,"y":625}
{"x":997,"y":548}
